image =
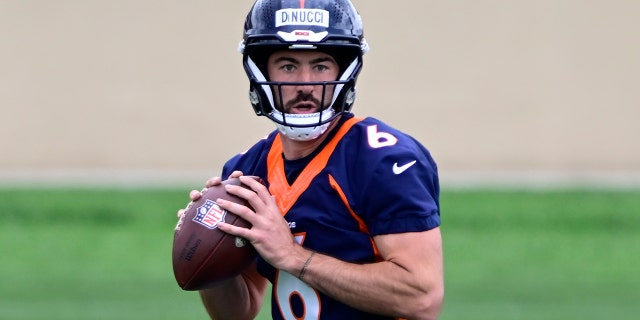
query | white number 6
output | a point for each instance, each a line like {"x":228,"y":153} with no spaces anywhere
{"x":288,"y":287}
{"x":379,"y":139}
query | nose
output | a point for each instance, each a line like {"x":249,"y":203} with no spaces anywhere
{"x":305,"y":76}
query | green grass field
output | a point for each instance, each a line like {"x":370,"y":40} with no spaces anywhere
{"x":106,"y":254}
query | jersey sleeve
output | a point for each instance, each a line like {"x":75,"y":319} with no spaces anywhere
{"x":398,"y":189}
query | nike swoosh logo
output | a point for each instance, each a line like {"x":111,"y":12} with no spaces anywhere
{"x":400,"y":169}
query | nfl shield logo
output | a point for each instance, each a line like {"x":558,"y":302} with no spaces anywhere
{"x":209,"y":214}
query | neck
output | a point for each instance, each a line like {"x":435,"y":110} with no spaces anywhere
{"x":294,"y":149}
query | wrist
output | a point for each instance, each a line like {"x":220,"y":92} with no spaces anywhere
{"x":296,"y":261}
{"x":303,"y":270}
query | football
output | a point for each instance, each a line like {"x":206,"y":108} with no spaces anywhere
{"x":202,"y":254}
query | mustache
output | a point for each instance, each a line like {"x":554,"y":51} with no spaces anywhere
{"x":303,"y":97}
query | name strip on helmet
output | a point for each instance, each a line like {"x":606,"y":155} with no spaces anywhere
{"x":302,"y":17}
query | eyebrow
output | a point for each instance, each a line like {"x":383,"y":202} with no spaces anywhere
{"x":314,"y":61}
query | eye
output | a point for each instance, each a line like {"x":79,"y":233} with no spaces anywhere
{"x":288,"y":68}
{"x":321,"y":67}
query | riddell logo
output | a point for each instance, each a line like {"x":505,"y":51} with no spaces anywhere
{"x":210,"y":214}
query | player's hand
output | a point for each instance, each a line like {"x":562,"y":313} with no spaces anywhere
{"x":195,"y":194}
{"x":270,"y":234}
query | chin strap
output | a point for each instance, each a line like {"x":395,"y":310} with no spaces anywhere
{"x":309,"y":131}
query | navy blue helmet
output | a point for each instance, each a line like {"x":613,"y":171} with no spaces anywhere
{"x":330,"y":26}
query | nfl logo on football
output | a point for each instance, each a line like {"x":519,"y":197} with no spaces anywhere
{"x":209,"y":214}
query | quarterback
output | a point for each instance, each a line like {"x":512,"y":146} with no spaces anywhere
{"x":347,"y":225}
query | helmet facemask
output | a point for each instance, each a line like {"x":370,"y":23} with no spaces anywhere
{"x":267,"y":99}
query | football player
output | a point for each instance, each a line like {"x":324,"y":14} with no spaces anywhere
{"x":348,"y":224}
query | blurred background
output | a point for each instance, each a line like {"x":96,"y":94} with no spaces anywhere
{"x":154,"y":91}
{"x":102,"y":100}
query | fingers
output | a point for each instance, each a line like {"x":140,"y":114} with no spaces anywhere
{"x":235,"y":230}
{"x":236,"y":174}
{"x":238,"y":209}
{"x":255,"y":185}
{"x":257,"y":195}
{"x":213,"y":181}
{"x":195,"y":194}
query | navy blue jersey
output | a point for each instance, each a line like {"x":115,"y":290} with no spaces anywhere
{"x":367,"y":179}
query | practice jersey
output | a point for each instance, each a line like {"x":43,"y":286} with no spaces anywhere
{"x":367,"y":179}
